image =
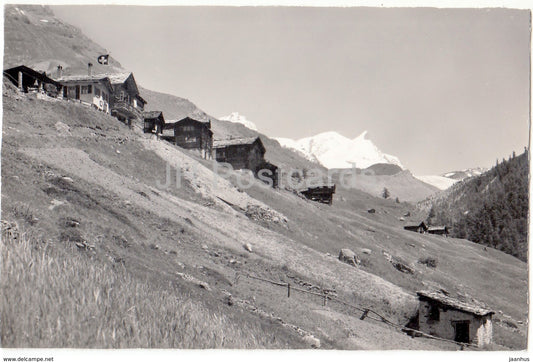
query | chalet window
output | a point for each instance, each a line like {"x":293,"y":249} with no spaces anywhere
{"x":121,"y":96}
{"x":97,"y":91}
{"x":190,"y":139}
{"x":434,"y":313}
{"x":187,"y":128}
{"x":89,"y":88}
{"x":84,"y":89}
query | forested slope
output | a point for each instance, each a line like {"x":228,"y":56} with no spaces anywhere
{"x":490,"y":209}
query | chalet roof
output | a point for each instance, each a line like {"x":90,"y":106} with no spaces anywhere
{"x":67,"y":78}
{"x":119,"y":77}
{"x":437,"y":228}
{"x":235,"y":142}
{"x":325,"y":187}
{"x":86,"y":78}
{"x":141,"y":98}
{"x":422,"y":225}
{"x":32,"y":72}
{"x":203,"y":121}
{"x":152,"y":114}
{"x":454,"y":303}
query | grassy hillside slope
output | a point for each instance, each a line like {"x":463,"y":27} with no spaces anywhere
{"x":61,"y":161}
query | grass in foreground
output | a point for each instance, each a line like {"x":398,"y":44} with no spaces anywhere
{"x":52,"y":298}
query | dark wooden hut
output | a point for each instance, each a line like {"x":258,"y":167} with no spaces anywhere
{"x":420,"y":228}
{"x":438,"y":230}
{"x":154,"y":122}
{"x":241,"y":153}
{"x":30,"y":80}
{"x":268,"y":171}
{"x":194,"y":135}
{"x":127,"y":104}
{"x":323,"y":194}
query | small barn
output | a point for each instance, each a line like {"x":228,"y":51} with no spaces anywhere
{"x":154,"y":122}
{"x":194,"y":135}
{"x":323,"y":194}
{"x":438,"y":230}
{"x":241,"y":153}
{"x":420,"y":228}
{"x":442,"y":316}
{"x":29,"y":80}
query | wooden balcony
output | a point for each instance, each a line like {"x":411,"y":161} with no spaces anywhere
{"x":126,"y":110}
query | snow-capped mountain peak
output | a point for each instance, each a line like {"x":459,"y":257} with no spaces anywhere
{"x":446,"y":180}
{"x":235,"y":117}
{"x":333,"y":150}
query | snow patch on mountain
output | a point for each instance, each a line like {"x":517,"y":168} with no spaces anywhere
{"x":469,"y":172}
{"x":235,"y":117}
{"x":333,"y":150}
{"x":440,"y":182}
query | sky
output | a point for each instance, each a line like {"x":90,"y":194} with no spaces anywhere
{"x":441,"y":89}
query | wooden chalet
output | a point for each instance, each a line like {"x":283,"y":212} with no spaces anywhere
{"x":194,"y":135}
{"x":323,"y":194}
{"x":445,"y":317}
{"x":31,"y":81}
{"x":93,"y":90}
{"x":438,"y":230}
{"x":154,"y":122}
{"x":247,"y":153}
{"x":241,"y":153}
{"x":420,"y":228}
{"x":127,"y":104}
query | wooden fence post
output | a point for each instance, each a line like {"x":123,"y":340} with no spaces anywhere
{"x":288,"y":290}
{"x":325,"y":303}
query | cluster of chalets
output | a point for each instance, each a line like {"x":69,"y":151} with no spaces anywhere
{"x":118,"y":95}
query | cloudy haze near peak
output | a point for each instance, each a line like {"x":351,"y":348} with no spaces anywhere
{"x":441,"y":89}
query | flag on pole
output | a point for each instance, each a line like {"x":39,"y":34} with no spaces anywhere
{"x":103,"y":59}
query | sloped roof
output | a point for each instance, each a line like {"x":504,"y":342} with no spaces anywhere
{"x":323,"y":186}
{"x":38,"y":75}
{"x":454,"y":303}
{"x":87,"y":78}
{"x":152,"y":114}
{"x":113,"y":78}
{"x":234,"y":142}
{"x":422,"y":225}
{"x":118,"y":77}
{"x":436,"y":228}
{"x":67,"y":78}
{"x":203,"y":121}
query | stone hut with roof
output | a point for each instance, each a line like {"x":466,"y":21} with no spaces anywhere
{"x":445,"y":317}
